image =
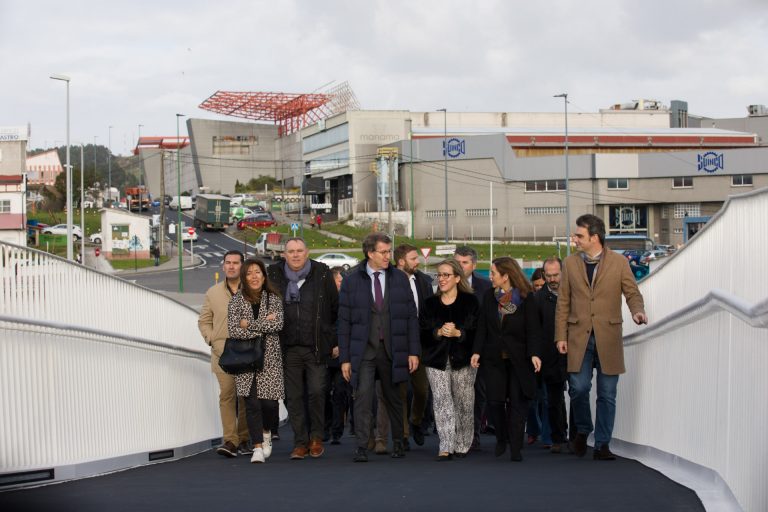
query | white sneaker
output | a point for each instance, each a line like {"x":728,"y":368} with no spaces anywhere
{"x":258,"y":455}
{"x":266,"y":446}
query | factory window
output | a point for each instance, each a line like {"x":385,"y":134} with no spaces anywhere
{"x":618,"y":184}
{"x":545,"y":210}
{"x":665,"y":212}
{"x":5,"y":206}
{"x":234,"y":144}
{"x":678,"y":231}
{"x":741,"y":180}
{"x":683,"y":182}
{"x":544,"y":185}
{"x":480,"y":212}
{"x":433,"y":214}
{"x":687,"y":210}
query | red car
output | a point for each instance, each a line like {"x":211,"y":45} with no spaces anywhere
{"x":258,"y":220}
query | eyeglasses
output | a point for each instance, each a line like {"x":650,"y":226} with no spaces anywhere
{"x":385,"y":252}
{"x":441,"y":275}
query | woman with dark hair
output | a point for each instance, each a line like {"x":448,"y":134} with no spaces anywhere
{"x":257,"y":309}
{"x":507,"y":343}
{"x":451,"y":316}
{"x":537,"y":279}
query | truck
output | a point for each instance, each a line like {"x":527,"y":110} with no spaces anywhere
{"x":212,"y":212}
{"x":137,"y":198}
{"x":186,"y":203}
{"x":271,"y":244}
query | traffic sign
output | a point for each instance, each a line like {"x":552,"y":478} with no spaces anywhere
{"x":445,"y":249}
{"x":425,"y":252}
{"x":294,"y":226}
{"x":191,"y":231}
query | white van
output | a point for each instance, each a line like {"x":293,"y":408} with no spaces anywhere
{"x":186,"y":203}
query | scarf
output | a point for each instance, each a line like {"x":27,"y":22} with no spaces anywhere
{"x":292,"y":292}
{"x":592,"y":261}
{"x":508,"y":301}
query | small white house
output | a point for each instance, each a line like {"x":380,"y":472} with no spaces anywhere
{"x":124,"y":234}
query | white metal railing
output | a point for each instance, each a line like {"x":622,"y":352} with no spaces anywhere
{"x":39,"y":286}
{"x":95,"y":373}
{"x":696,"y":376}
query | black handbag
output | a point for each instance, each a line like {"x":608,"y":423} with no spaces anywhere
{"x":243,"y":355}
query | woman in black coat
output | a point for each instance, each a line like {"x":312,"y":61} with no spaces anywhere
{"x":507,"y":344}
{"x":450,"y":317}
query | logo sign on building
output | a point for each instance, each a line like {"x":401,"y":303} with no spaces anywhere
{"x":711,"y":162}
{"x":455,"y":147}
{"x":321,"y":206}
{"x":447,"y":249}
{"x":425,"y":252}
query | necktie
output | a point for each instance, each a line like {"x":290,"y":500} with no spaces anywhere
{"x":378,"y":297}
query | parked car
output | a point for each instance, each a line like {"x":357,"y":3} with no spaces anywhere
{"x":238,"y":213}
{"x":61,"y":229}
{"x":336,"y":259}
{"x":95,"y":238}
{"x":238,"y":199}
{"x":257,"y":220}
{"x":669,"y":249}
{"x":652,"y":255}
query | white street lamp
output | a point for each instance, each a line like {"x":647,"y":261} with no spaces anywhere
{"x":567,"y":185}
{"x":68,"y":203}
{"x":445,"y":159}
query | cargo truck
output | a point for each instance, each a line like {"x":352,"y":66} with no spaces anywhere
{"x":271,"y":244}
{"x":212,"y":212}
{"x":137,"y":198}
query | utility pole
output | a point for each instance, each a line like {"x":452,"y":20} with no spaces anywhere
{"x":390,"y":183}
{"x":141,"y":171}
{"x":82,"y":200}
{"x":161,"y":234}
{"x":109,"y":166}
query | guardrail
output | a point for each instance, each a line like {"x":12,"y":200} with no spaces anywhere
{"x":96,"y":374}
{"x":690,"y":403}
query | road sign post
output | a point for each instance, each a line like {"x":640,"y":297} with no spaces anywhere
{"x":294,"y":227}
{"x":425,"y":252}
{"x":191,"y":232}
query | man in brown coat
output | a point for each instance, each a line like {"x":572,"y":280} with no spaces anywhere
{"x":588,"y":328}
{"x":213,"y":326}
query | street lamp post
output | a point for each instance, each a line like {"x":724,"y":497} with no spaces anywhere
{"x":445,"y":159}
{"x":82,"y":202}
{"x":567,"y":185}
{"x":141,"y":171}
{"x":178,"y":204}
{"x":109,"y":167}
{"x":66,"y":79}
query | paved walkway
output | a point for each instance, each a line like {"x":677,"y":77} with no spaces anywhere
{"x":208,"y":482}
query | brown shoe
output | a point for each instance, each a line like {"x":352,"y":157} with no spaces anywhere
{"x":580,"y":444}
{"x":604,"y":453}
{"x":298,"y":453}
{"x":227,"y":449}
{"x":316,"y":448}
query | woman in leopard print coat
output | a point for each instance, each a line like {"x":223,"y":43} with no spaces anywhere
{"x":258,"y":309}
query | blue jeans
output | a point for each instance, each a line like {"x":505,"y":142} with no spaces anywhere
{"x":580,"y":385}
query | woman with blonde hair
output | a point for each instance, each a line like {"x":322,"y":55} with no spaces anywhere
{"x":257,"y":309}
{"x":507,"y":344}
{"x":450,"y":316}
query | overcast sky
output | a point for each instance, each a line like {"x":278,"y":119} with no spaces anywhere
{"x":141,"y":62}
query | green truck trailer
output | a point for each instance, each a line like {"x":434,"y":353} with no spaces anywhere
{"x":212,"y":212}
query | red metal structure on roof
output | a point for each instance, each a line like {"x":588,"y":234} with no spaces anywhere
{"x":289,"y":111}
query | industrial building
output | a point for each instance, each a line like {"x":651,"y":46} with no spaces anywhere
{"x":643,"y":167}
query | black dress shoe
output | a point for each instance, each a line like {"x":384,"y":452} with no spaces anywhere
{"x":406,"y":444}
{"x":335,"y":440}
{"x":501,"y":447}
{"x":361,"y":455}
{"x":460,"y":455}
{"x":516,"y":456}
{"x":604,"y":453}
{"x":444,"y":458}
{"x":418,"y":434}
{"x":398,"y":451}
{"x":580,"y":444}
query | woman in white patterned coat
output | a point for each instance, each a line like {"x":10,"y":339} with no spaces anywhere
{"x":258,"y":309}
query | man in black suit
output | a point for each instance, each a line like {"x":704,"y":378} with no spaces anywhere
{"x":553,"y":364}
{"x":467,"y":258}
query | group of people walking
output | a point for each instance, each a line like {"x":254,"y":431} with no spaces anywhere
{"x":477,"y":344}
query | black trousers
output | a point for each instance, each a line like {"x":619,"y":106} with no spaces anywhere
{"x":365,"y":393}
{"x":298,"y":362}
{"x":509,"y":417}
{"x":258,"y":413}
{"x":337,"y":402}
{"x":557,"y":415}
{"x":480,"y":402}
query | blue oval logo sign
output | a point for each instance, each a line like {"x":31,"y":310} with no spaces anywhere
{"x":456,"y":147}
{"x":711,"y":162}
